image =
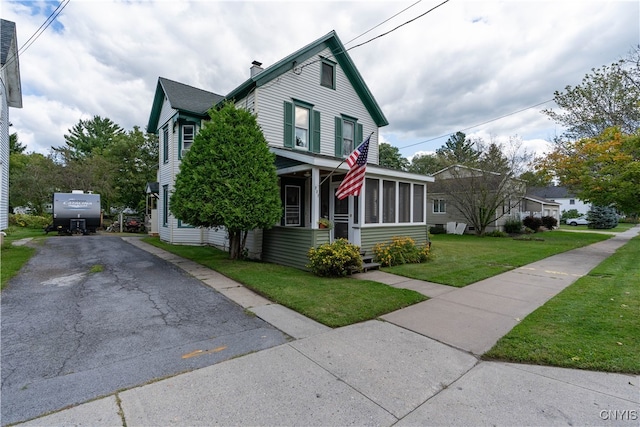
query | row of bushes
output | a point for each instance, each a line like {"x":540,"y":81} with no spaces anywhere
{"x":341,"y":257}
{"x":30,"y":221}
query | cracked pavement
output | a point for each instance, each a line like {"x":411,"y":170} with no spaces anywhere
{"x":90,"y":315}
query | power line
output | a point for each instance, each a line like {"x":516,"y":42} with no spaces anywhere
{"x":383,"y":22}
{"x":479,"y":124}
{"x":401,"y":25}
{"x":299,"y":69}
{"x":50,"y":19}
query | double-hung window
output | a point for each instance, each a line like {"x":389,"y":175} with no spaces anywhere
{"x":301,"y":126}
{"x":348,"y":135}
{"x":188,"y":133}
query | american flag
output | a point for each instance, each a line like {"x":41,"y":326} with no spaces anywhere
{"x":357,"y":162}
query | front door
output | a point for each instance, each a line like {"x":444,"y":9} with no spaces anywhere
{"x":341,"y":217}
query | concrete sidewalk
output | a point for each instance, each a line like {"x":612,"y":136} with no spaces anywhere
{"x":417,"y":367}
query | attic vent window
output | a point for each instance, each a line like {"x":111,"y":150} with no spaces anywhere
{"x":328,"y":74}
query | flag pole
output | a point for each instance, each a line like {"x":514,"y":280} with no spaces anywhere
{"x":336,"y":168}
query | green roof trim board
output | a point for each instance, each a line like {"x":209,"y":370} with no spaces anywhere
{"x":197,"y":102}
{"x":291,"y":61}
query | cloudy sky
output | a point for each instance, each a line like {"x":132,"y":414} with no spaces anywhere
{"x":459,"y":67}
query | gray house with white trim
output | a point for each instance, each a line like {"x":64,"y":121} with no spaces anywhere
{"x":314,"y":108}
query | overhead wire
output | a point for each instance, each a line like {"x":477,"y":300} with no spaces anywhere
{"x":50,"y":19}
{"x":479,"y":124}
{"x":383,"y":22}
{"x":298,"y":69}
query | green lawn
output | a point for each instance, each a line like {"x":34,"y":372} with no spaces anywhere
{"x":334,"y":302}
{"x":592,"y":324}
{"x":12,"y":258}
{"x":462,"y":260}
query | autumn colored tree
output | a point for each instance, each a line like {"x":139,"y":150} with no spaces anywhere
{"x":603,"y":170}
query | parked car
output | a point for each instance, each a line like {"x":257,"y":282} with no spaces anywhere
{"x":577,"y":221}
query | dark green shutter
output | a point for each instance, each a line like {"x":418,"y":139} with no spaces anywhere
{"x":288,"y":124}
{"x":358,"y":135}
{"x":315,"y":138}
{"x":338,"y":137}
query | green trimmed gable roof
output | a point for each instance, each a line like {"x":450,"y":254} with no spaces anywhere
{"x":182,"y":97}
{"x":340,"y":55}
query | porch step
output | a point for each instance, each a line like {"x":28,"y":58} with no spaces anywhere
{"x":367,"y":263}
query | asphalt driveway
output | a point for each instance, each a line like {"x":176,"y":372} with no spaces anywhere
{"x":90,"y":315}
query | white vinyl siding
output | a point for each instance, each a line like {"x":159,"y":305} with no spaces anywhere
{"x":270,"y":99}
{"x":4,"y":159}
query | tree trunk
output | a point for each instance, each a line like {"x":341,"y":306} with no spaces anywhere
{"x":235,"y":248}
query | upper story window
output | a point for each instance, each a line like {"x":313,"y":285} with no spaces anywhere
{"x":188,"y":132}
{"x":165,"y":144}
{"x":572,"y":201}
{"x":328,"y":74}
{"x":302,"y":127}
{"x":348,"y":136}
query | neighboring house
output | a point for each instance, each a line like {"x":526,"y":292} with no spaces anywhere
{"x":460,"y":191}
{"x":10,"y":96}
{"x":561,"y":195}
{"x":314,"y":108}
{"x":538,"y":207}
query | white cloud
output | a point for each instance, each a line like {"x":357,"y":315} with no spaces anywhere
{"x":462,"y":65}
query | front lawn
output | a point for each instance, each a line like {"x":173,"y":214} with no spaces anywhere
{"x":333,"y":302}
{"x":462,"y":260}
{"x":12,"y":258}
{"x":592,"y":324}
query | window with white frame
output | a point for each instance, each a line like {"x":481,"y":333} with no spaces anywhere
{"x":188,"y":133}
{"x":572,"y":201}
{"x":302,"y":127}
{"x":439,"y":206}
{"x":292,"y":206}
{"x":348,"y":136}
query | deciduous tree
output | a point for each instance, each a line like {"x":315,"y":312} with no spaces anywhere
{"x":607,"y":97}
{"x":604,"y":170}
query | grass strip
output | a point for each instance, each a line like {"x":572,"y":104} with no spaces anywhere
{"x":593,"y":324}
{"x":12,"y":258}
{"x":333,"y":302}
{"x":462,"y":260}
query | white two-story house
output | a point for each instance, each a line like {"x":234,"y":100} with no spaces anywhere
{"x":314,"y":109}
{"x":10,"y":96}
